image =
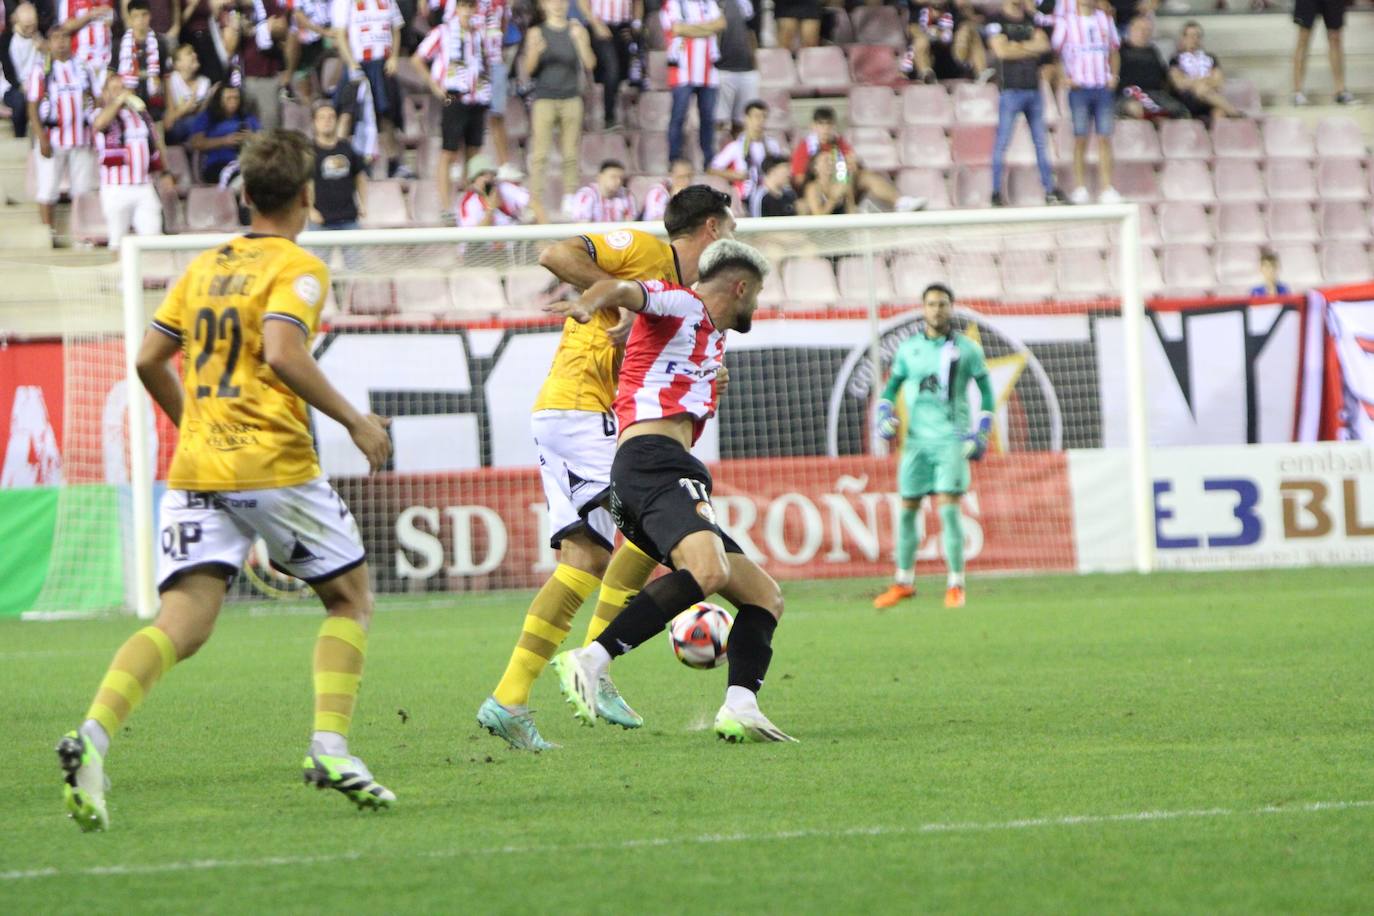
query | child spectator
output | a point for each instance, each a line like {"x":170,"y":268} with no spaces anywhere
{"x":1269,"y":272}
{"x":773,"y":195}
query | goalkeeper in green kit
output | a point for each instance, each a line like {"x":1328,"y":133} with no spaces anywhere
{"x":931,"y":373}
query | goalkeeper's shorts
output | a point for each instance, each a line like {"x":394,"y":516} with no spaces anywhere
{"x":576,"y":448}
{"x":933,"y":466}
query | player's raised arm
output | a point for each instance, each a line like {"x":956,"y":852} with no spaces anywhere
{"x":571,"y":262}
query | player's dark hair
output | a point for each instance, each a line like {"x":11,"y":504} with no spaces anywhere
{"x":756,"y":105}
{"x":689,"y":209}
{"x":276,"y":165}
{"x":937,"y":288}
{"x":772,"y":162}
{"x":823,"y":115}
{"x":611,"y":164}
{"x":139,"y":5}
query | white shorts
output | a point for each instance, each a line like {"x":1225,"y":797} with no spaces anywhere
{"x":576,"y":448}
{"x":126,"y":204}
{"x":77,"y":163}
{"x":309,"y":532}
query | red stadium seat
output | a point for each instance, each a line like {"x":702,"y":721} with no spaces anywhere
{"x":928,"y":183}
{"x":422,"y":292}
{"x":1185,"y":140}
{"x":1136,"y":182}
{"x":88,"y":220}
{"x":923,"y":104}
{"x":1237,"y":138}
{"x":972,"y":145}
{"x":1345,"y":219}
{"x":370,"y":296}
{"x":1063,"y":142}
{"x":1241,"y":222}
{"x":1240,"y":180}
{"x":528,"y":289}
{"x":975,"y":103}
{"x":211,"y":209}
{"x":597,"y":148}
{"x":1345,"y":261}
{"x":874,"y":65}
{"x":911,"y":273}
{"x":1288,"y":138}
{"x":386,"y":206}
{"x":823,"y":70}
{"x":1290,"y":179}
{"x":875,"y":148}
{"x":1149,"y":227}
{"x":1023,"y":188}
{"x":874,"y":106}
{"x":853,"y":274}
{"x":179,"y":167}
{"x":1301,"y":268}
{"x":655,"y":111}
{"x":1340,"y":138}
{"x":841,"y":26}
{"x":1244,"y":95}
{"x":1187,"y":180}
{"x":651,"y":152}
{"x":925,"y":146}
{"x":1188,"y":270}
{"x":425,"y":205}
{"x":656,"y":69}
{"x":974,"y":274}
{"x":1135,"y":141}
{"x":777,"y":70}
{"x":771,"y":295}
{"x":1292,"y":221}
{"x":1184,"y":223}
{"x":1151,"y":280}
{"x":1082,"y":272}
{"x":1341,"y":179}
{"x":878,"y":25}
{"x":1027,"y":275}
{"x":475,"y":292}
{"x":779,"y":109}
{"x":972,"y":188}
{"x":1237,"y":267}
{"x":809,"y":283}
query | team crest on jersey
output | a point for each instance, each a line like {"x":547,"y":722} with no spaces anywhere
{"x":308,"y":288}
{"x":621,"y":238}
{"x":706,"y":511}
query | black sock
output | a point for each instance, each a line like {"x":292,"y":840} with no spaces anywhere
{"x":750,"y":648}
{"x":649,"y":612}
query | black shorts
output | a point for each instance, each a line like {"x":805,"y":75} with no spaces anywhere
{"x":660,"y":493}
{"x":797,"y":9}
{"x":1196,"y":107}
{"x":312,"y":55}
{"x":462,"y":124}
{"x":1305,"y":13}
{"x":945,"y":64}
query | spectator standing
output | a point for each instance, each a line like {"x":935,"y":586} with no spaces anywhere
{"x":606,"y":199}
{"x":827,"y":192}
{"x":1269,"y":272}
{"x":340,"y":175}
{"x":129,"y":156}
{"x":557,"y":51}
{"x":187,"y":93}
{"x":141,"y":58}
{"x":88,"y":24}
{"x":212,"y":28}
{"x":220,"y":131}
{"x":459,"y":76}
{"x":262,"y":50}
{"x":368,"y":36}
{"x":1087,"y":41}
{"x":21,"y":50}
{"x":739,"y":73}
{"x":681,"y":174}
{"x":1305,"y":14}
{"x":496,"y":16}
{"x":1019,"y":46}
{"x":488,"y":200}
{"x":741,"y":160}
{"x":945,"y":44}
{"x":1197,"y":78}
{"x":357,"y":116}
{"x":773,"y":195}
{"x":306,"y":47}
{"x":845,"y":162}
{"x":1143,"y":89}
{"x":615,"y":26}
{"x":798,"y":23}
{"x":60,"y":102}
{"x":690,"y":28}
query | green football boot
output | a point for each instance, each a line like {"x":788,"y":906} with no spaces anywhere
{"x":578,"y":681}
{"x":348,"y":775}
{"x":515,"y":728}
{"x":83,"y":773}
{"x":749,"y":725}
{"x":611,"y":706}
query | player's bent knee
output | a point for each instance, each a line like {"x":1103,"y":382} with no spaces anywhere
{"x":348,"y":595}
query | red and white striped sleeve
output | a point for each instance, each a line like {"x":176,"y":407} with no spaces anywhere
{"x":663,"y":299}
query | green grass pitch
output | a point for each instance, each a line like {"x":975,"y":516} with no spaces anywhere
{"x":1167,"y":743}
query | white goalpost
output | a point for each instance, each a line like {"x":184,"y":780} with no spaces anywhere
{"x":442,"y":329}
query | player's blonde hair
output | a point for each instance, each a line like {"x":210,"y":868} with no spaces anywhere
{"x":725,"y":254}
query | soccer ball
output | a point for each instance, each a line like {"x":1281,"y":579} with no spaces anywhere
{"x":699,"y":635}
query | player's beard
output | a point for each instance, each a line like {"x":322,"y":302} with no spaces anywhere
{"x":743,"y":323}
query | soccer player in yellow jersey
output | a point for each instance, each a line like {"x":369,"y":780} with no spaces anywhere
{"x":575,"y":432}
{"x":245,"y":467}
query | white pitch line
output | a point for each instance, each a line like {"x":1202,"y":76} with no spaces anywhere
{"x":707,"y":839}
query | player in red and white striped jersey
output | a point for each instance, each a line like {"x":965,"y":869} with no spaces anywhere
{"x":60,"y":103}
{"x":1088,"y":44}
{"x":130,"y":155}
{"x":88,"y":23}
{"x":661,"y":494}
{"x":605,"y":200}
{"x":690,"y":28}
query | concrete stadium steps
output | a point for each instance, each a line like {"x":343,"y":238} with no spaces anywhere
{"x":33,"y":304}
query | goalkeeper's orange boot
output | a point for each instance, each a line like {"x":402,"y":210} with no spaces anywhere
{"x":895,"y":593}
{"x":954,"y":596}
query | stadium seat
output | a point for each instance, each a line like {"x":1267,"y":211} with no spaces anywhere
{"x":809,"y":282}
{"x":1290,"y":179}
{"x":88,"y":220}
{"x":370,"y":296}
{"x":779,"y":109}
{"x":1340,"y":138}
{"x":1240,"y":180}
{"x":874,"y":65}
{"x":1288,"y":138}
{"x":878,"y":25}
{"x":655,"y":110}
{"x":656,"y":70}
{"x":972,"y":188}
{"x":1244,"y":95}
{"x":639,"y":185}
{"x":925,"y":146}
{"x":179,"y":167}
{"x":1186,"y":180}
{"x":1237,"y":266}
{"x":651,"y":152}
{"x":971,"y":145}
{"x":975,"y":275}
{"x":823,"y":70}
{"x":528,"y":289}
{"x":975,"y":103}
{"x":1237,"y":138}
{"x":1292,"y":221}
{"x":1151,"y":281}
{"x":211,"y":209}
{"x":1300,"y":266}
{"x":1021,"y":149}
{"x":1341,"y":179}
{"x":1188,"y":270}
{"x":837,"y":22}
{"x":874,"y":106}
{"x":1082,"y":272}
{"x":928,"y":183}
{"x":777,"y":70}
{"x":1135,"y":141}
{"x":173,"y":221}
{"x":1241,"y":222}
{"x":1136,"y":181}
{"x":425,"y":205}
{"x":1184,"y":140}
{"x":422,"y":291}
{"x":875,"y":148}
{"x":1345,"y":261}
{"x":1022,"y":186}
{"x":912,"y":272}
{"x":1345,"y":219}
{"x":386,"y":206}
{"x":923,"y":104}
{"x":771,"y":296}
{"x":597,"y":148}
{"x":853,"y":273}
{"x":159,"y":266}
{"x":475,"y":291}
{"x":518,"y":119}
{"x":1027,"y":275}
{"x":1184,"y":223}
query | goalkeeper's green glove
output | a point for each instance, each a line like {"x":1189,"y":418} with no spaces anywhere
{"x":976,"y":442}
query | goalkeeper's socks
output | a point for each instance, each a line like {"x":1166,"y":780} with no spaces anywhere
{"x":340,"y":650}
{"x":750,"y":648}
{"x":546,"y":625}
{"x":649,"y":612}
{"x":954,"y":580}
{"x":630,"y":568}
{"x":906,"y":539}
{"x":136,"y":667}
{"x":905,"y":577}
{"x":952,"y":534}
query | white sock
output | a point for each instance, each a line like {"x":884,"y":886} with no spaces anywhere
{"x":905,"y":577}
{"x":596,"y":653}
{"x":97,"y":735}
{"x":955,"y":580}
{"x":331,"y":743}
{"x":741,"y":699}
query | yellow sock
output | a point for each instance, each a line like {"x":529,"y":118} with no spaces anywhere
{"x":339,"y":653}
{"x":546,"y":625}
{"x":138,"y":664}
{"x":630,"y":568}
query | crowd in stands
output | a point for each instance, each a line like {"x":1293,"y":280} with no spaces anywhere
{"x":144,"y":102}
